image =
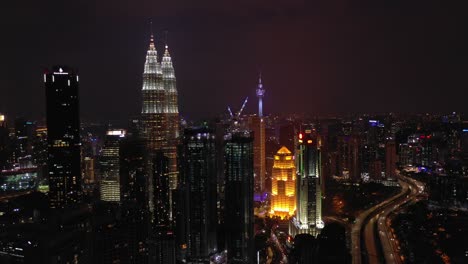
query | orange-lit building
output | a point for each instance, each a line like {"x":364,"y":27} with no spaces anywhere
{"x":283,"y":192}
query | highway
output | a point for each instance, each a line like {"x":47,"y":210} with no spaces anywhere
{"x":371,"y":243}
{"x":9,"y":196}
{"x":377,"y":222}
{"x":356,"y":230}
{"x":389,"y":243}
{"x":365,"y":245}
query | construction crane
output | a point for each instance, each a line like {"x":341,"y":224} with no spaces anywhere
{"x":234,"y":117}
{"x":238,"y":114}
{"x":242,"y":108}
{"x":230,"y":112}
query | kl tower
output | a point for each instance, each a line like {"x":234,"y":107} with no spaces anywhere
{"x":260,"y":94}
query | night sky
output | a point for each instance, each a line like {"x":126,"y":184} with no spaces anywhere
{"x":342,"y":56}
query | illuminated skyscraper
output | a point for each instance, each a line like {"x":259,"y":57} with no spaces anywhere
{"x":308,"y":217}
{"x":239,"y":219}
{"x":160,"y":114}
{"x":153,"y":114}
{"x":283,"y":193}
{"x":110,"y":166}
{"x":260,"y":93}
{"x":63,"y":124}
{"x":4,"y":143}
{"x":172,"y":116}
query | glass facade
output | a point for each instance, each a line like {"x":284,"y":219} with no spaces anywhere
{"x":200,"y":176}
{"x":239,"y":197}
{"x":309,"y":182}
{"x":63,"y":126}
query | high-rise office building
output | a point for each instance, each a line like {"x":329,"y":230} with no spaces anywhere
{"x":162,"y":248}
{"x":308,"y":217}
{"x":239,"y":197}
{"x":134,"y":174}
{"x":88,"y":170}
{"x":220,"y":131}
{"x":390,"y":159}
{"x":199,"y":172}
{"x":110,"y":165}
{"x":4,"y":143}
{"x":464,"y":139}
{"x":375,"y":170}
{"x":180,"y":211}
{"x":63,"y":125}
{"x":287,"y":134}
{"x":133,"y":171}
{"x":25,"y":133}
{"x":283,"y":192}
{"x":257,"y":125}
{"x":40,"y":147}
{"x":349,"y":157}
{"x":355,"y":159}
{"x":161,"y":243}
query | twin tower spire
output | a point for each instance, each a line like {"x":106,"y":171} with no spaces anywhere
{"x":159,"y":75}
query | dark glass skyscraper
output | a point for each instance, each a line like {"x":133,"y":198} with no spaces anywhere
{"x":239,"y":218}
{"x":4,"y":143}
{"x":63,"y":124}
{"x":199,"y":170}
{"x":160,"y":193}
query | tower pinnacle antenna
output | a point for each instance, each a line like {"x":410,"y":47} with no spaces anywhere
{"x":151,"y":27}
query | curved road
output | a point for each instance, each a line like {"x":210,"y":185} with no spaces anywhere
{"x":356,"y":247}
{"x":388,"y":241}
{"x":374,"y":219}
{"x":9,"y":196}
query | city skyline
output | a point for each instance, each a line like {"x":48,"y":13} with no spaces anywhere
{"x":407,"y":52}
{"x":350,"y":145}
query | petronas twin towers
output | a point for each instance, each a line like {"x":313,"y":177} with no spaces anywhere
{"x":160,"y":112}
